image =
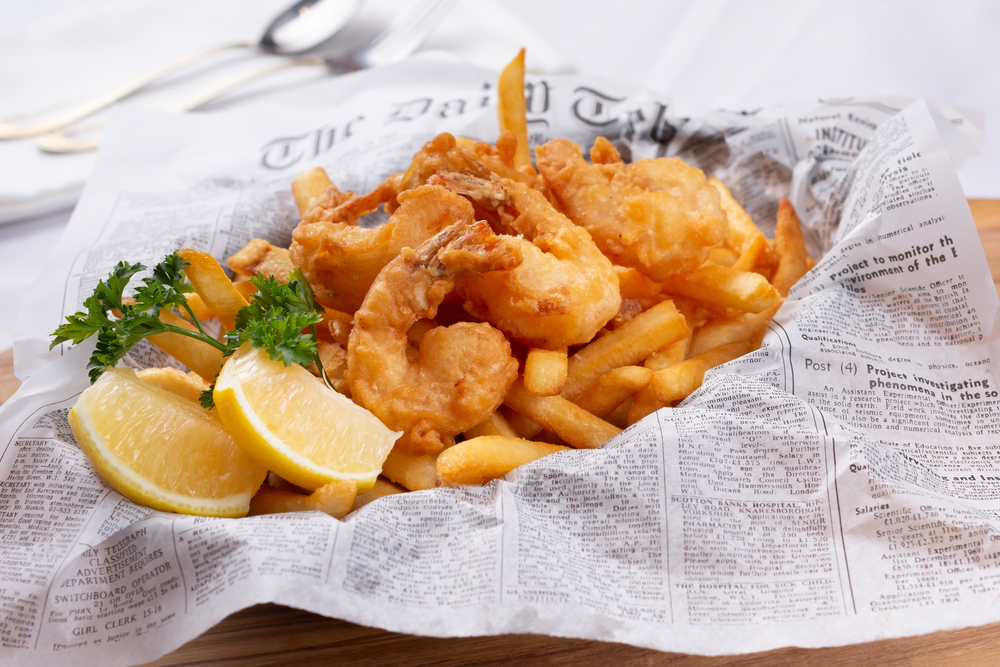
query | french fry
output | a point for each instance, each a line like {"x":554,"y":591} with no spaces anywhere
{"x":380,"y":489}
{"x":742,"y":230}
{"x":749,"y":326}
{"x":512,"y":108}
{"x":309,"y":185}
{"x":634,"y":285}
{"x":214,"y":287}
{"x":790,"y":247}
{"x":335,"y":499}
{"x":668,"y":356}
{"x":522,"y":426}
{"x":725,"y":287}
{"x":748,"y":260}
{"x":494,"y":425}
{"x":676,"y":382}
{"x":619,"y":416}
{"x":481,"y":459}
{"x":722,"y":256}
{"x":628,"y":345}
{"x":245,"y":288}
{"x":644,"y":403}
{"x":199,"y":356}
{"x":413,"y":471}
{"x":282,"y":484}
{"x":545,"y":371}
{"x":612,"y":388}
{"x":569,"y":421}
{"x":197,"y":304}
{"x":261,"y":257}
{"x":186,"y":385}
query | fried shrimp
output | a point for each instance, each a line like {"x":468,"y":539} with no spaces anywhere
{"x":462,"y":372}
{"x":658,"y":216}
{"x":563,"y":292}
{"x":481,"y":159}
{"x":340,"y":260}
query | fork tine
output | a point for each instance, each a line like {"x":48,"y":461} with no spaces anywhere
{"x":408,"y":31}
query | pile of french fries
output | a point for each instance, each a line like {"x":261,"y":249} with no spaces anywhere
{"x":652,"y":356}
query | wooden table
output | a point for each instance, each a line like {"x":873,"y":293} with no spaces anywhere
{"x":269,"y":635}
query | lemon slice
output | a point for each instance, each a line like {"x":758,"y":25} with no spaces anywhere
{"x":161,"y":450}
{"x":289,"y":421}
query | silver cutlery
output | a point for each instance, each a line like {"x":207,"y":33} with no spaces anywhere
{"x":297,"y":29}
{"x":401,"y":39}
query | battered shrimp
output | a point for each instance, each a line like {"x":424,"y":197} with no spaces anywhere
{"x":462,"y":372}
{"x":563,"y":292}
{"x":480,"y":159}
{"x":658,"y":216}
{"x":341,"y":260}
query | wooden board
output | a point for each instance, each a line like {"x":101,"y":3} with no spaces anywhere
{"x":270,"y":635}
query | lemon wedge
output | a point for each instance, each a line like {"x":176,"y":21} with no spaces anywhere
{"x":161,"y":450}
{"x":290,"y":422}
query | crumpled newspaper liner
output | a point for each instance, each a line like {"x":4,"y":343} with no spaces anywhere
{"x":578,"y":544}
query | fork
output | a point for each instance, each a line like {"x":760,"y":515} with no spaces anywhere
{"x":402,"y":38}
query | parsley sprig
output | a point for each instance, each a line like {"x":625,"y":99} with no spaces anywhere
{"x":281,"y":317}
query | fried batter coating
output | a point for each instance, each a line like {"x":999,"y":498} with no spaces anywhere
{"x":341,"y":260}
{"x":658,"y":216}
{"x":443,"y":153}
{"x":462,"y":372}
{"x":563,"y":292}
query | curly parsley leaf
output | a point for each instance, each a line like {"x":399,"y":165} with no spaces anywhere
{"x":281,"y":317}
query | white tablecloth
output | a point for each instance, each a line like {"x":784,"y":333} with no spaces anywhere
{"x":704,"y":55}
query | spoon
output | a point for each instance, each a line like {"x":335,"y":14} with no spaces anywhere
{"x":301,"y":27}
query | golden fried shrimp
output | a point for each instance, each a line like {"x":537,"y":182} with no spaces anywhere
{"x":443,"y":153}
{"x":462,"y":372}
{"x":658,"y":216}
{"x":563,"y":292}
{"x":345,"y":207}
{"x":341,"y":260}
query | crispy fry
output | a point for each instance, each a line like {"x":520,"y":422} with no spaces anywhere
{"x":790,"y":247}
{"x":414,"y":471}
{"x":495,"y":425}
{"x":380,"y":489}
{"x":721,"y":286}
{"x":335,"y":499}
{"x":634,"y":285}
{"x":200,"y":357}
{"x":307,"y":186}
{"x":644,"y":403}
{"x":670,"y":355}
{"x":481,"y":459}
{"x":522,"y":426}
{"x":748,"y":260}
{"x":721,"y":256}
{"x":749,"y":326}
{"x":186,"y":385}
{"x":628,"y":345}
{"x":569,"y":421}
{"x":201,"y":311}
{"x":545,"y":372}
{"x":676,"y":382}
{"x":261,"y":257}
{"x":512,"y":108}
{"x":619,"y":416}
{"x":612,"y":388}
{"x":245,"y":288}
{"x":742,"y":230}
{"x":212,"y":284}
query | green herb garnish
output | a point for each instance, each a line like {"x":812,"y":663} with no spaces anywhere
{"x":281,"y":317}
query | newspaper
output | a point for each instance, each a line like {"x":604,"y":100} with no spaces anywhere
{"x":827,"y":489}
